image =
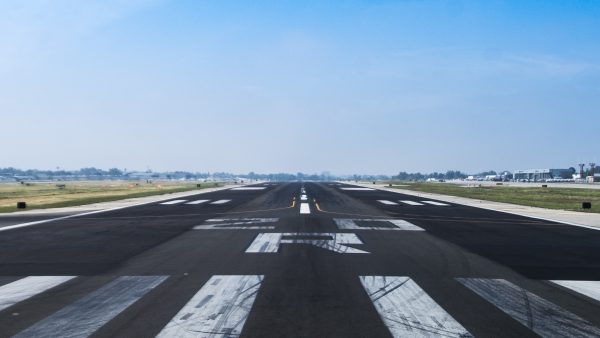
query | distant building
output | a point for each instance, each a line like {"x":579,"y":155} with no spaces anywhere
{"x":541,"y":174}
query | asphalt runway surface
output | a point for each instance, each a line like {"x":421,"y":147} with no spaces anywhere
{"x":299,"y":260}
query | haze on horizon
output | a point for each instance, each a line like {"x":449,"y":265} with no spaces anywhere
{"x":280,"y":86}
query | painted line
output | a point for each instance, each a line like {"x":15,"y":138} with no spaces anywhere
{"x":336,"y":242}
{"x":197,"y":202}
{"x":304,"y":208}
{"x":303,"y":197}
{"x":518,"y":213}
{"x":436,"y":203}
{"x":398,"y":224}
{"x":221,"y":202}
{"x":249,"y":188}
{"x":86,"y":315}
{"x":539,"y":315}
{"x":411,"y":202}
{"x":265,"y":243}
{"x":358,"y":189}
{"x":28,"y":287}
{"x":172,"y":202}
{"x":407,"y":310}
{"x":219,"y":309}
{"x":237,"y":223}
{"x":584,"y":287}
{"x":386,"y":202}
{"x":27,"y":224}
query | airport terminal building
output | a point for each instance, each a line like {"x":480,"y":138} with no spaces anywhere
{"x":541,"y":174}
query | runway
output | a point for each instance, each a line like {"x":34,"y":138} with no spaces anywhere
{"x":300,"y":259}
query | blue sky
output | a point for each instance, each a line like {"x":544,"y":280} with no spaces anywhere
{"x":269,"y":86}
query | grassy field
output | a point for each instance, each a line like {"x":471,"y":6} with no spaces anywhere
{"x":50,"y":195}
{"x":551,"y":198}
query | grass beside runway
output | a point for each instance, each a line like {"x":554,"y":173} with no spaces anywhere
{"x":50,"y":195}
{"x":551,"y":198}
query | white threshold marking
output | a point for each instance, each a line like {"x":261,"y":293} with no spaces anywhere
{"x":173,"y":202}
{"x":386,"y":202}
{"x":238,"y":223}
{"x":249,"y":188}
{"x":28,"y":287}
{"x":539,"y":315}
{"x":336,"y":242}
{"x":358,"y":189}
{"x":407,"y":310}
{"x":436,"y":203}
{"x":219,"y":309}
{"x":197,"y":202}
{"x":397,"y":224}
{"x":303,"y":197}
{"x":411,"y":202}
{"x":86,"y":315}
{"x":304,"y":208}
{"x":221,"y":202}
{"x":584,"y":287}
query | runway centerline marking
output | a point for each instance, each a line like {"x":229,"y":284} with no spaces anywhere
{"x":539,"y":315}
{"x":304,"y":208}
{"x":407,"y":310}
{"x":28,"y":287}
{"x":88,"y":314}
{"x":357,"y":189}
{"x":336,"y":242}
{"x":219,"y":309}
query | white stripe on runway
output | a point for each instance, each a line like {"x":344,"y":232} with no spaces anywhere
{"x":336,"y":242}
{"x":219,"y":309}
{"x":221,"y":202}
{"x":238,"y":223}
{"x":539,"y":315}
{"x":173,"y":202}
{"x":249,"y":188}
{"x":197,"y":202}
{"x":88,"y":314}
{"x":357,"y":189}
{"x":28,"y":287}
{"x":265,"y":243}
{"x":386,"y":202}
{"x":412,"y":202}
{"x":436,"y":203}
{"x":587,"y":288}
{"x":303,"y":197}
{"x":350,"y":224}
{"x":304,"y":208}
{"x":407,"y":310}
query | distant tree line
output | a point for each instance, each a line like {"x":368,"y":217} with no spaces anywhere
{"x":92,"y":173}
{"x":448,"y":175}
